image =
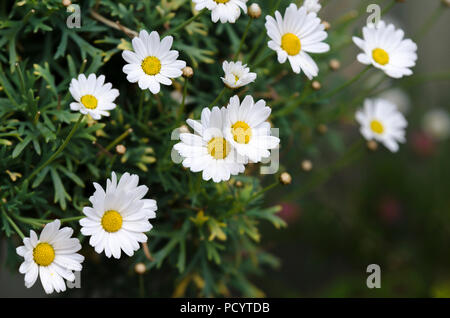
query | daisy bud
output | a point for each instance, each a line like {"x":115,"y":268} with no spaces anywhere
{"x":254,"y":11}
{"x":326,"y":24}
{"x":4,"y":200}
{"x":307,"y":165}
{"x":188,"y":72}
{"x":285,"y":178}
{"x":66,"y":3}
{"x":316,"y":85}
{"x":372,"y":145}
{"x":140,"y":268}
{"x":121,"y":149}
{"x":335,"y":64}
{"x":322,"y":129}
{"x":239,"y":184}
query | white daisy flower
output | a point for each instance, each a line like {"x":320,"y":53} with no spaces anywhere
{"x":53,"y":257}
{"x":236,"y":74}
{"x":385,"y":48}
{"x":223,"y":10}
{"x":381,"y":120}
{"x":207,"y":150}
{"x":118,"y":218}
{"x":312,"y":6}
{"x":153,"y":62}
{"x":92,"y":95}
{"x":296,"y":35}
{"x":247,"y":129}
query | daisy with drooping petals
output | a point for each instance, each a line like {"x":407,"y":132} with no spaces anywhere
{"x":153,"y":62}
{"x":296,"y":35}
{"x":312,"y":6}
{"x":92,"y":95}
{"x":119,"y":216}
{"x":207,"y":150}
{"x":247,"y":128}
{"x":380,"y":120}
{"x":385,"y":48}
{"x":236,"y":74}
{"x":223,"y":10}
{"x":53,"y":257}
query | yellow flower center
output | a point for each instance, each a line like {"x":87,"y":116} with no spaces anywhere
{"x":380,"y":56}
{"x":221,"y":1}
{"x":112,"y":221}
{"x":151,"y":65}
{"x":236,"y":79}
{"x":43,"y":254}
{"x":218,"y":148}
{"x":89,"y":101}
{"x":291,"y":43}
{"x":376,"y":127}
{"x":241,"y":132}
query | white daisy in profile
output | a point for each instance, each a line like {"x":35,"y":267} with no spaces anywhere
{"x":92,"y":95}
{"x":119,"y":216}
{"x":223,"y":10}
{"x":385,"y":48}
{"x":53,"y":257}
{"x":207,"y":150}
{"x":312,"y":6}
{"x":380,"y":120}
{"x":236,"y":74}
{"x":296,"y":35}
{"x":247,"y":129}
{"x":153,"y":62}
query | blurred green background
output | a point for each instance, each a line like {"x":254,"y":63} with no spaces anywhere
{"x":387,"y":209}
{"x":380,"y":208}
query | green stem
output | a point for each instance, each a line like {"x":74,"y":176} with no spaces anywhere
{"x":58,"y":151}
{"x":388,"y":8}
{"x":74,"y":218}
{"x":119,"y":139}
{"x":141,"y":104}
{"x":14,"y":225}
{"x":257,"y":194}
{"x":185,"y":23}
{"x":214,"y":103}
{"x":40,"y":222}
{"x":243,"y":39}
{"x":141,"y":286}
{"x":294,"y":105}
{"x":261,"y":37}
{"x":346,"y":84}
{"x":263,"y":59}
{"x":22,"y":80}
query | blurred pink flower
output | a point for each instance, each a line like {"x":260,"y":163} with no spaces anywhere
{"x":290,"y":212}
{"x":422,"y":144}
{"x":390,"y":210}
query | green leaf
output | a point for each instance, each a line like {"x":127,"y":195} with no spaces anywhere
{"x":60,"y":192}
{"x":21,"y":146}
{"x":72,"y":176}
